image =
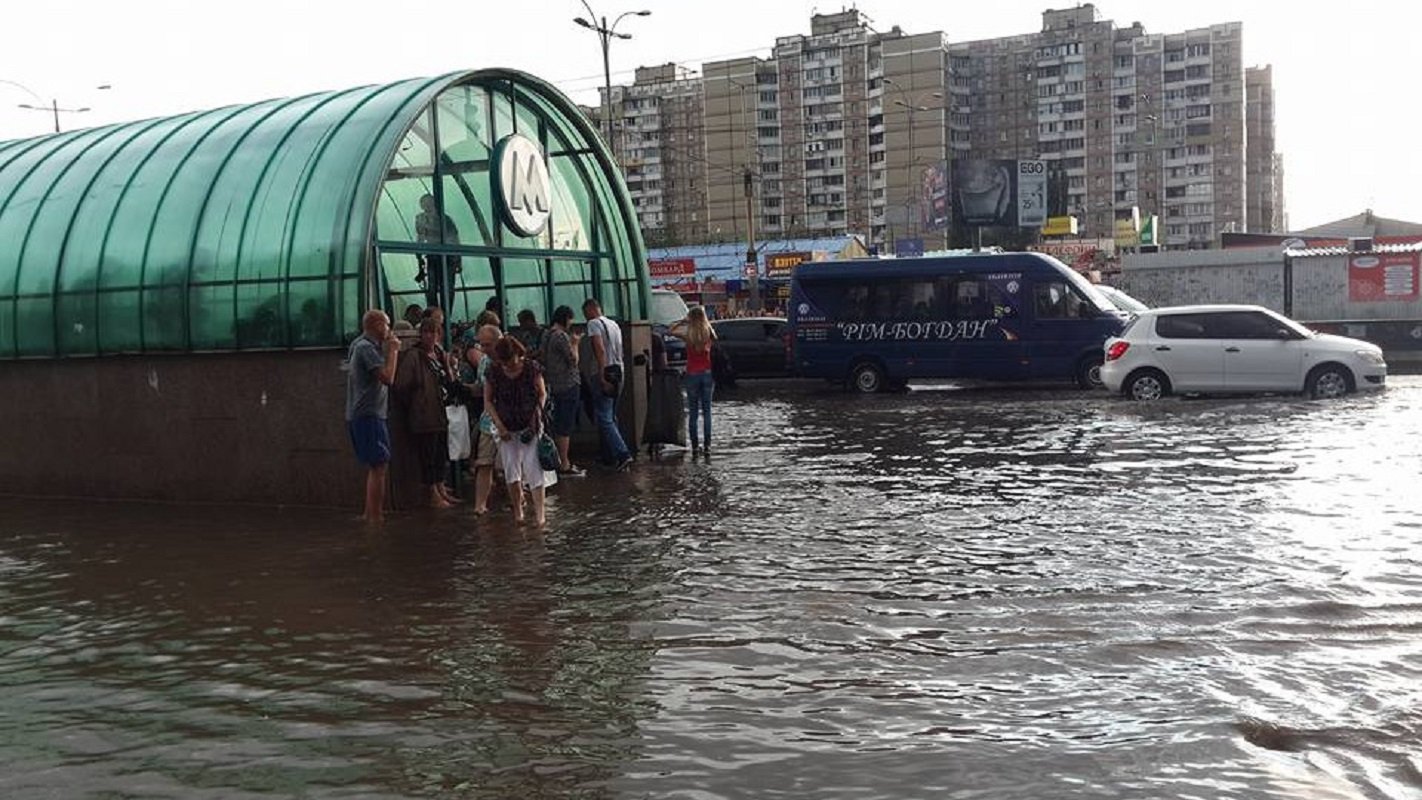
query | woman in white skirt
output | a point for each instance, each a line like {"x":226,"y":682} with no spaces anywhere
{"x":514,"y":395}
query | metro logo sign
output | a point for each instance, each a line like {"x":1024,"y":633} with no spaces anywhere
{"x":524,"y":190}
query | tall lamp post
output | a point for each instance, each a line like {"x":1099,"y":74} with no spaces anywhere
{"x":913,"y":108}
{"x":748,"y":190}
{"x":50,"y":106}
{"x":605,"y":34}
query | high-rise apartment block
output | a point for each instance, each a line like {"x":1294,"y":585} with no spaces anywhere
{"x":832,"y":133}
{"x":658,"y":129}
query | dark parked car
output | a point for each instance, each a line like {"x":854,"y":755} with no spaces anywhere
{"x":751,"y":347}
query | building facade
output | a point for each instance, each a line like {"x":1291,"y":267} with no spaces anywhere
{"x":834,"y":131}
{"x":1263,"y":163}
{"x":659,"y":123}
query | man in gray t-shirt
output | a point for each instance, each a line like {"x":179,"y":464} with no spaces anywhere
{"x":370,"y":369}
{"x":606,"y":339}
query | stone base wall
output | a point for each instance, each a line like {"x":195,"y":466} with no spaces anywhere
{"x":264,"y":428}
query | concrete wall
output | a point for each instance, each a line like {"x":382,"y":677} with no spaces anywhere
{"x":264,"y":428}
{"x":1255,"y":275}
{"x":239,"y":427}
{"x":1177,"y":278}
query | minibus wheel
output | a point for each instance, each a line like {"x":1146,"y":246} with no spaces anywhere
{"x":1088,"y":373}
{"x":866,"y":377}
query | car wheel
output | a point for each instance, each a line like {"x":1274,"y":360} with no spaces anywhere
{"x":866,"y":377}
{"x":1328,"y":381}
{"x":1146,"y":385}
{"x":1088,"y":373}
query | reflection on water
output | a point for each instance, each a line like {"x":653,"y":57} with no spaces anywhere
{"x":1010,"y":593}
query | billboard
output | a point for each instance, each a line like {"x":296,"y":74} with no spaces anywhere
{"x":1001,"y":192}
{"x":1031,"y":194}
{"x":935,"y":210}
{"x":983,"y":192}
{"x":1382,"y":277}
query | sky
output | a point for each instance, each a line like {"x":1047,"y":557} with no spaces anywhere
{"x":1347,"y":116}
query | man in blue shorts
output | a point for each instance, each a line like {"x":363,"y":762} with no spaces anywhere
{"x":369,"y":372}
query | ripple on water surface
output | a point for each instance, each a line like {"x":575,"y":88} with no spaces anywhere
{"x":962,"y":593}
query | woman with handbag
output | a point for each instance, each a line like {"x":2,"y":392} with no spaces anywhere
{"x":514,"y":397}
{"x":699,"y":382}
{"x":421,"y":381}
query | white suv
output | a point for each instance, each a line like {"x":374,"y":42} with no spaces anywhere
{"x":1226,"y":349}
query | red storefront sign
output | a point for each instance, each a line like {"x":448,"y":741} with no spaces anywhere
{"x":1382,"y":277}
{"x":672,"y":267}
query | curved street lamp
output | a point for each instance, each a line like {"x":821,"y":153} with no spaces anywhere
{"x":605,"y":34}
{"x":52,"y":105}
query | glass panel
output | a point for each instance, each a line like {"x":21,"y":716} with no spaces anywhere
{"x":400,"y":270}
{"x":531,"y":298}
{"x":572,"y":213}
{"x":503,"y":111}
{"x":34,"y":317}
{"x":526,"y":119}
{"x":469,"y":303}
{"x":398,"y":207}
{"x":416,"y":153}
{"x":468,"y":202}
{"x":463,"y":125}
{"x":261,"y":315}
{"x":77,"y":317}
{"x":523,"y":271}
{"x":313,"y":321}
{"x":7,"y":328}
{"x":213,"y":312}
{"x":164,"y":321}
{"x":572,"y":284}
{"x":118,"y":322}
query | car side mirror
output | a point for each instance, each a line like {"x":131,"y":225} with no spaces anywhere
{"x":1285,"y":334}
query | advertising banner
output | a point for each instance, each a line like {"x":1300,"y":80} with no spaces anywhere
{"x":935,"y":196}
{"x":778,"y":266}
{"x":1031,"y":194}
{"x":671,"y":267}
{"x":1382,"y":277}
{"x":983,"y":192}
{"x":1081,"y":254}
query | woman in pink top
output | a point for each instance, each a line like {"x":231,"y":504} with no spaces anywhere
{"x":699,"y":336}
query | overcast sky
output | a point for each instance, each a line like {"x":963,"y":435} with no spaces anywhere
{"x":1344,"y":73}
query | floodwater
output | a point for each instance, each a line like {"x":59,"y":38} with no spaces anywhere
{"x":943,"y":594}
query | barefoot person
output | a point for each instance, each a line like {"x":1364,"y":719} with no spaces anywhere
{"x":420,"y":383}
{"x":560,"y":365}
{"x":514,"y":395}
{"x":370,"y":369}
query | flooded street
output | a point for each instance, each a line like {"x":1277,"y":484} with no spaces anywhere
{"x":1006,"y":593}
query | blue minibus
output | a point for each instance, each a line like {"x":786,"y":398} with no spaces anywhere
{"x":877,"y":324}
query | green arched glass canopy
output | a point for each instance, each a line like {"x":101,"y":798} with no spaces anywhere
{"x":275,"y":225}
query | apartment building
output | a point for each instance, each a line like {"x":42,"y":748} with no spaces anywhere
{"x":832,"y":132}
{"x":1263,"y":164}
{"x":657,"y":138}
{"x":1132,"y":120}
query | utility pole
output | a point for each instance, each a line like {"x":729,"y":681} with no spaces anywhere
{"x":751,"y":260}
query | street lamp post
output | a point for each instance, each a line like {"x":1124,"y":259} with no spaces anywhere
{"x":50,"y":106}
{"x":912,"y":108}
{"x":605,"y":34}
{"x":748,"y":187}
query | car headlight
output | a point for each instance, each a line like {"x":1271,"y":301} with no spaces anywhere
{"x":1374,"y":357}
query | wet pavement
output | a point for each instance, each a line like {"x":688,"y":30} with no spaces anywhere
{"x":995,"y":593}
